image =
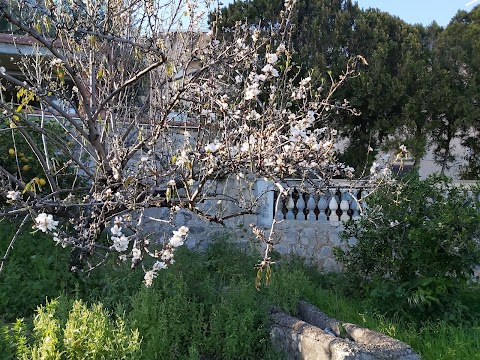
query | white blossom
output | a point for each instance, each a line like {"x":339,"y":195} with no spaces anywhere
{"x":281,"y":48}
{"x":56,"y":62}
{"x":148,"y":278}
{"x":59,"y":240}
{"x":306,"y":81}
{"x":159,"y":265}
{"x":262,"y":77}
{"x":182,"y":231}
{"x":136,"y":254}
{"x":45,"y":222}
{"x":271,"y":58}
{"x":296,"y":134}
{"x":2,"y":70}
{"x":269,"y":69}
{"x":116,"y":230}
{"x":120,"y":244}
{"x":213,"y":147}
{"x":167,"y":255}
{"x":176,"y":241}
{"x":13,"y":195}
{"x":182,"y":159}
{"x":394,"y":223}
{"x":252,"y":91}
{"x":327,"y":144}
{"x":255,"y":35}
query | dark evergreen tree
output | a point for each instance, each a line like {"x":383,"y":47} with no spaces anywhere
{"x":389,"y":93}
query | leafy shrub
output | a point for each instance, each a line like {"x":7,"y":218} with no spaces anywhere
{"x":170,"y":323}
{"x":204,"y":305}
{"x":417,"y":245}
{"x":82,"y":333}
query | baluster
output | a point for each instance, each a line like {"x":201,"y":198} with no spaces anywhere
{"x":322,"y":206}
{"x":354,"y":207}
{"x":311,"y":204}
{"x":279,"y":210}
{"x":300,"y":207}
{"x":344,"y":206}
{"x":470,"y":201}
{"x":363,"y":202}
{"x":290,"y":206}
{"x":333,"y":206}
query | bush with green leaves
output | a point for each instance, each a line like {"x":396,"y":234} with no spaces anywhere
{"x":65,"y":330}
{"x":206,"y":306}
{"x":417,"y":245}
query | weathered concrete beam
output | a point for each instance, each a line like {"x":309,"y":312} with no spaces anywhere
{"x":318,"y":337}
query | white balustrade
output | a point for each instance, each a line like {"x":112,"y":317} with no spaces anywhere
{"x":326,"y":207}
{"x":335,"y":205}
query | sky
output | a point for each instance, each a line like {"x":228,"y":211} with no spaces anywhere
{"x":420,"y":11}
{"x":416,"y":11}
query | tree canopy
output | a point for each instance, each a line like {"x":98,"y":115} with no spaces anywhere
{"x":420,"y":87}
{"x":121,"y":107}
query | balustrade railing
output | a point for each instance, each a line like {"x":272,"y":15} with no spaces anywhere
{"x":333,"y":205}
{"x":342,"y":201}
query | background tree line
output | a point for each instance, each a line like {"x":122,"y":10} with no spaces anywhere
{"x":421,"y":85}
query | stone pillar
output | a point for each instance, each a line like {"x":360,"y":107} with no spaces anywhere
{"x":264,"y":190}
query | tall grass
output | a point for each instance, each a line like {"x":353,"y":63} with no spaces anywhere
{"x":206,"y":306}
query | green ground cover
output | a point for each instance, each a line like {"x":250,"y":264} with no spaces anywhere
{"x":203,"y":307}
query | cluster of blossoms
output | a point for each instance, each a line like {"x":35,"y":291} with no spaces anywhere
{"x":46,"y":223}
{"x":255,"y":80}
{"x":166,"y":255}
{"x":120,"y":241}
{"x":382,"y":167}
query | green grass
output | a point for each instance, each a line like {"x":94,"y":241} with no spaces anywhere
{"x":206,"y":305}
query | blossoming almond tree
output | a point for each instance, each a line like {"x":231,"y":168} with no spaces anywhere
{"x":153,"y":112}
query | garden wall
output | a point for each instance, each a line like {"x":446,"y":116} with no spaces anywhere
{"x":312,"y":241}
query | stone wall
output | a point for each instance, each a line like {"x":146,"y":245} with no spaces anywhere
{"x":201,"y":232}
{"x":312,"y":241}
